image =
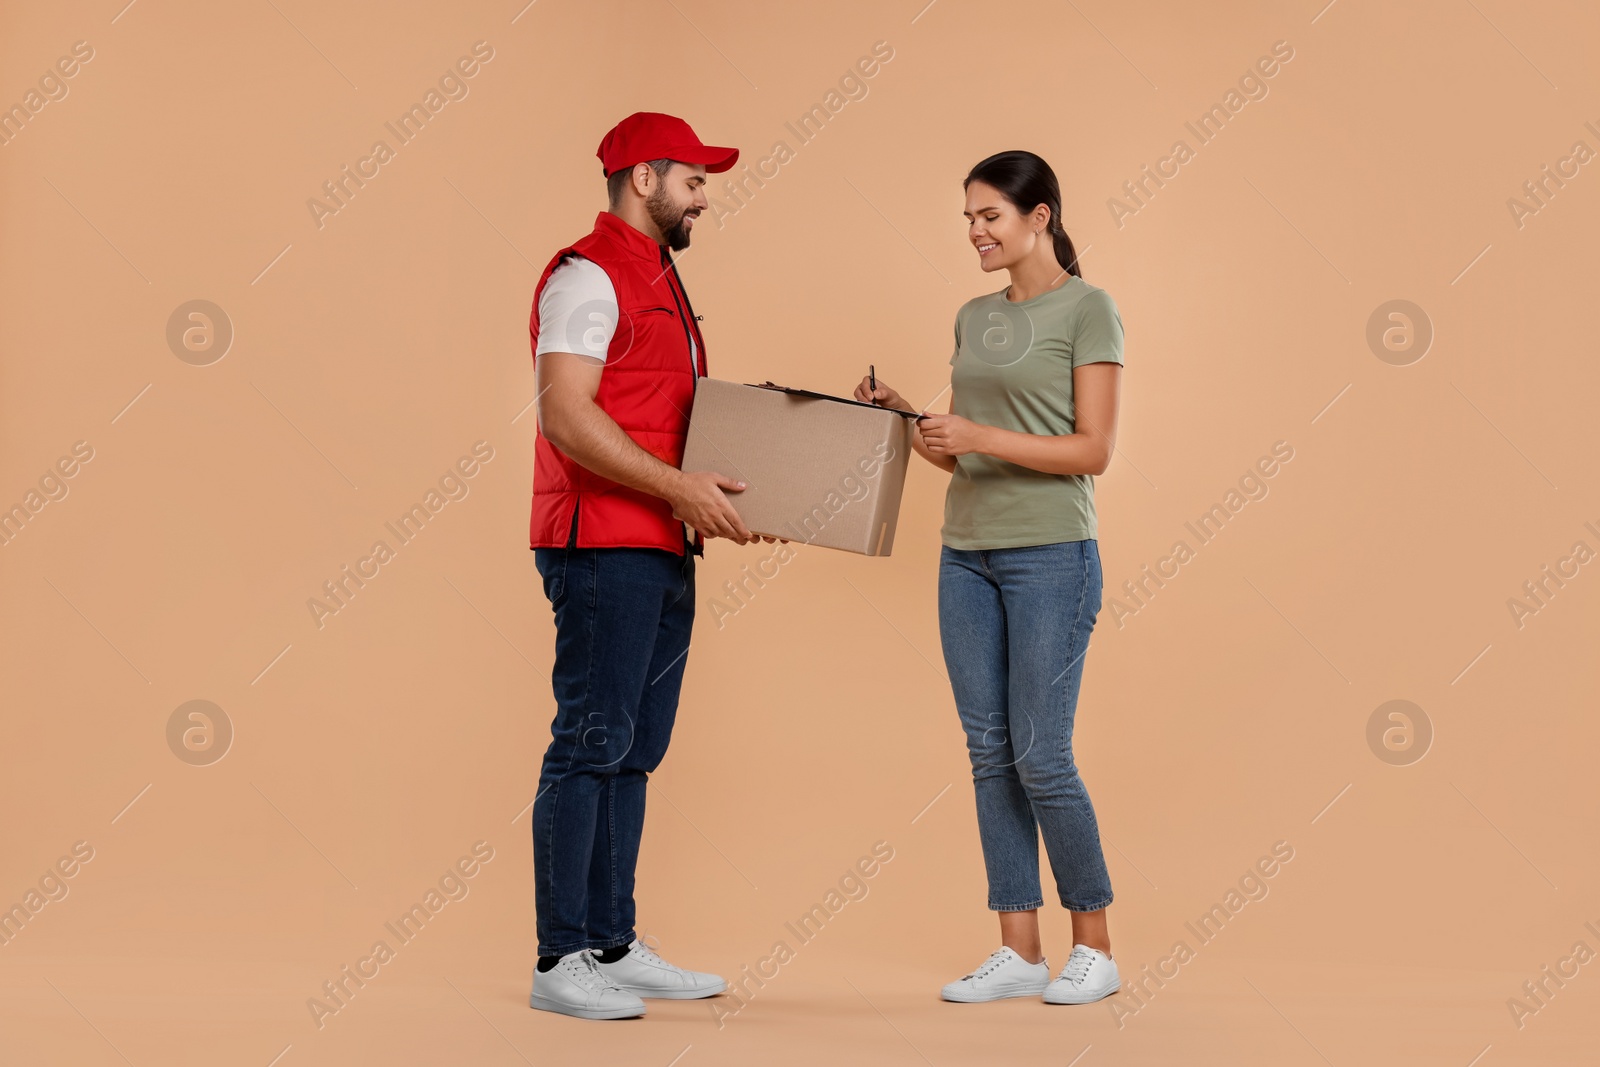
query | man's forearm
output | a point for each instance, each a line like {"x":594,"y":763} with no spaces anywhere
{"x":591,"y":437}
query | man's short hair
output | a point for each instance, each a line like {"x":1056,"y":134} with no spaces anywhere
{"x":618,"y":181}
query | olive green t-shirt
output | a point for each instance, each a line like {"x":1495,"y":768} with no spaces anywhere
{"x":1012,"y":368}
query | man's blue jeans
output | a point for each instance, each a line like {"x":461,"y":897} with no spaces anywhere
{"x":623,"y":617}
{"x":1015,"y":624}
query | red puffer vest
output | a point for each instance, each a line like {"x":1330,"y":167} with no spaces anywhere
{"x":646,"y":387}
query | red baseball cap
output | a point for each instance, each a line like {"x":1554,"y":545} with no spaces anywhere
{"x":647,"y":135}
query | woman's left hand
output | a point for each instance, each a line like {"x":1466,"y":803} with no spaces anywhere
{"x":951,"y":435}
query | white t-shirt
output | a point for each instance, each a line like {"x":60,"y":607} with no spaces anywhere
{"x":578,"y":312}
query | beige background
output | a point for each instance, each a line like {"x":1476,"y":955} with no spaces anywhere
{"x":1229,"y":713}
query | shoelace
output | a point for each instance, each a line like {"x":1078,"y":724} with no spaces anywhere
{"x":996,"y":958}
{"x":1078,"y":966}
{"x":648,"y":954}
{"x":581,"y":968}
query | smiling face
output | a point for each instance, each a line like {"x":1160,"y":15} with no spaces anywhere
{"x":676,"y":200}
{"x":1002,"y":235}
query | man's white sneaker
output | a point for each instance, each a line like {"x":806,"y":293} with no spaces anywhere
{"x":643,"y":973}
{"x":1089,"y":975}
{"x":576,"y":987}
{"x":1003,"y":974}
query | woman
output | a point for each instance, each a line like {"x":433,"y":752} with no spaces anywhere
{"x":1033,"y":417}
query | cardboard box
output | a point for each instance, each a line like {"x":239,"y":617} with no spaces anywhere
{"x":821,"y":470}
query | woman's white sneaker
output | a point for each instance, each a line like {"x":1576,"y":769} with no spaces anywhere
{"x":1004,"y":974}
{"x":645,"y":974}
{"x":576,"y":987}
{"x":1089,"y":975}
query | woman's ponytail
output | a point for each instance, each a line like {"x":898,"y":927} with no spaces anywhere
{"x":1066,"y":254}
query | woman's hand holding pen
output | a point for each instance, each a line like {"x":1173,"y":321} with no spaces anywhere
{"x":878,"y":393}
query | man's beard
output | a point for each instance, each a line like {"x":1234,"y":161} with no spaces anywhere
{"x":669,"y":219}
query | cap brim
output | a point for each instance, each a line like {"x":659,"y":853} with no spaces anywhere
{"x":715,"y":159}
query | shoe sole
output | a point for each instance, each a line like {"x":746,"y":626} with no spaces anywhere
{"x":985,"y":999}
{"x":673,"y":994}
{"x":543,"y":1004}
{"x":1079,"y":998}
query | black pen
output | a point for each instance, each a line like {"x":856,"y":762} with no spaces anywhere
{"x":872,"y":380}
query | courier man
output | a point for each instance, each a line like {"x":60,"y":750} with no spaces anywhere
{"x":617,"y":349}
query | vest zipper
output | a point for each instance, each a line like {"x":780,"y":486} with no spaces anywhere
{"x":696,"y":348}
{"x":697,"y":351}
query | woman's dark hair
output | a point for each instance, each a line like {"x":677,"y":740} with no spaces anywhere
{"x":1027,"y":181}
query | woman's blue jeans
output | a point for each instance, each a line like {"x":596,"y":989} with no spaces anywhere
{"x":1015,"y":624}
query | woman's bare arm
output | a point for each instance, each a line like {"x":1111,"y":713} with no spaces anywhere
{"x":1096,"y":388}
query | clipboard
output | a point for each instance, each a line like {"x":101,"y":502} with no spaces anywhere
{"x":835,"y":399}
